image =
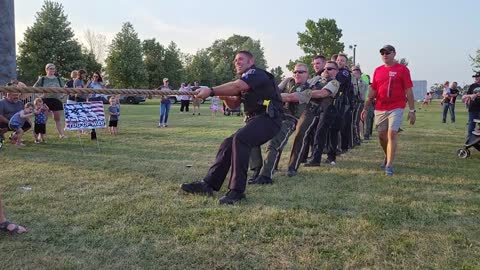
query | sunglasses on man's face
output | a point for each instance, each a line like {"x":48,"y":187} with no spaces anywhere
{"x":385,"y":53}
{"x":330,"y":68}
{"x":355,"y":69}
{"x":299,"y":71}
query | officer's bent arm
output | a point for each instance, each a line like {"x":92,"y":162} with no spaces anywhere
{"x":231,"y":88}
{"x":290,"y":97}
{"x":321,"y":93}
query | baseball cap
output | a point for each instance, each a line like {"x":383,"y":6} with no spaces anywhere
{"x":389,"y":48}
{"x":165,"y":79}
{"x":476,"y":75}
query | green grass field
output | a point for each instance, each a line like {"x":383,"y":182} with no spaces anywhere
{"x":119,"y":207}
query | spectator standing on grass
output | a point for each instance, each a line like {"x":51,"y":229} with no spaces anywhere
{"x":390,"y":86}
{"x":184,"y":99}
{"x":40,"y":128}
{"x":473,"y":102}
{"x":52,"y":100}
{"x":113,"y":112}
{"x":165,"y":104}
{"x":450,"y":105}
{"x":196,"y":101}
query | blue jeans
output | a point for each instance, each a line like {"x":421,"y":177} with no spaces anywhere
{"x":448,"y":107}
{"x":164,"y":110}
{"x":471,"y":124}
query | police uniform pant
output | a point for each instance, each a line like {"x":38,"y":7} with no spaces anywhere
{"x":356,"y":122}
{"x":276,"y":145}
{"x":369,"y":119}
{"x":321,"y":136}
{"x":235,"y":150}
{"x":347,"y":131}
{"x":306,"y":124}
{"x":273,"y":150}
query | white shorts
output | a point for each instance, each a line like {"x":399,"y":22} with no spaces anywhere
{"x":389,"y":120}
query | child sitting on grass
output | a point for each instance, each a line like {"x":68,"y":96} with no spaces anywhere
{"x":40,"y":111}
{"x":17,"y":121}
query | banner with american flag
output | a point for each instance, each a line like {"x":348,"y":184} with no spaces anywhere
{"x":84,"y":115}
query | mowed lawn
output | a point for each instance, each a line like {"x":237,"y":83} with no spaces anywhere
{"x":119,"y":206}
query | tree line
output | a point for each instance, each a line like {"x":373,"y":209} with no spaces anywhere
{"x":134,"y":63}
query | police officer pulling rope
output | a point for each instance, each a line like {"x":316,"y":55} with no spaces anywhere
{"x":257,"y":90}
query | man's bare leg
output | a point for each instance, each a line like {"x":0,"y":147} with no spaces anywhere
{"x":391,"y":147}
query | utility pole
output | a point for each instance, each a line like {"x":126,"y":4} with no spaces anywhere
{"x":8,"y":66}
{"x":354,"y":47}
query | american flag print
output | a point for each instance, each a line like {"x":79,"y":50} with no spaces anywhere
{"x":84,"y":115}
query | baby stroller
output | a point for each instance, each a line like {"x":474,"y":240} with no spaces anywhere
{"x":472,"y":141}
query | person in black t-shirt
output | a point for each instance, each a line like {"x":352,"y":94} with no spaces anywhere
{"x":449,"y":103}
{"x":472,"y":99}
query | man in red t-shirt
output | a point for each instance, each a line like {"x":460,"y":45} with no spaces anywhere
{"x":391,"y":84}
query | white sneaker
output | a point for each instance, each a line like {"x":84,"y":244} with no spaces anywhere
{"x":476,"y":132}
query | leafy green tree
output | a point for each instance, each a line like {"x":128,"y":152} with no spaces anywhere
{"x":200,"y":69}
{"x":319,"y":38}
{"x":153,"y":57}
{"x":172,"y":64}
{"x":476,"y":61}
{"x":222,"y":53}
{"x":89,"y":62}
{"x":278,"y":73}
{"x":50,"y":40}
{"x":125,"y":66}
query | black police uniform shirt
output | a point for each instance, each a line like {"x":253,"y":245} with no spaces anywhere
{"x":454,"y":91}
{"x":262,"y":87}
{"x":474,"y":104}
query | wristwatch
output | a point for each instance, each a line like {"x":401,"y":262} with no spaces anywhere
{"x":212,"y":93}
{"x":413,"y":110}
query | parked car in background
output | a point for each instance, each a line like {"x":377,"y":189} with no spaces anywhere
{"x":128,"y":99}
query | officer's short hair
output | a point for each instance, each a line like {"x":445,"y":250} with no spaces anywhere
{"x":320,"y":57}
{"x":302,"y":65}
{"x":247,"y":53}
{"x":343,"y":55}
{"x":333,"y":63}
{"x":334,"y":57}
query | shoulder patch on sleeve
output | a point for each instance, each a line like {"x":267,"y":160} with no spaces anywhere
{"x":345,"y":73}
{"x":248,"y":72}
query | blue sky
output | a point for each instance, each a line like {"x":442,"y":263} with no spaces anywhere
{"x":436,"y":37}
